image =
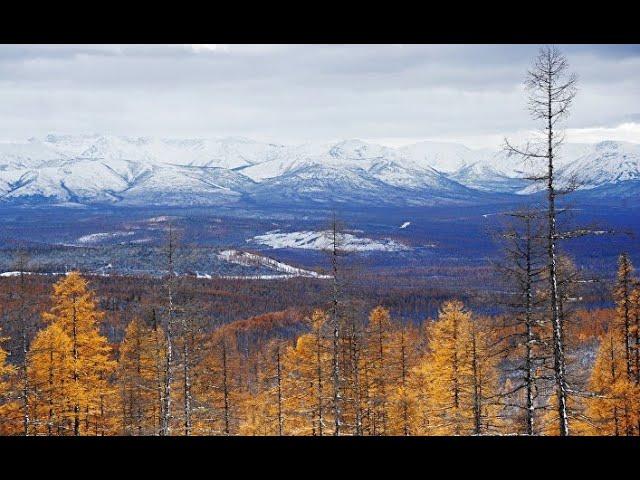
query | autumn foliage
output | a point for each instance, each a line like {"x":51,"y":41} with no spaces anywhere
{"x":271,"y":374}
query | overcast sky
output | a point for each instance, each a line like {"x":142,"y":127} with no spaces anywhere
{"x":392,"y":94}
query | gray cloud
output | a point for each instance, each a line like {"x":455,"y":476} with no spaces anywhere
{"x":295,"y":93}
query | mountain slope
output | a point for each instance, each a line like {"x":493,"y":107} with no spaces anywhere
{"x":141,"y":170}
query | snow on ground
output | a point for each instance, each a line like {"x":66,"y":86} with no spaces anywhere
{"x":405,"y":224}
{"x":17,"y":274}
{"x":322,"y":240}
{"x":97,"y":237}
{"x":251,"y":259}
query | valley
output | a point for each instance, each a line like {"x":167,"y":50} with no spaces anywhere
{"x":429,"y":243}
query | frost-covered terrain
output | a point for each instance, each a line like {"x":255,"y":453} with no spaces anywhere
{"x":323,"y":240}
{"x":94,"y":238}
{"x":99,"y":169}
{"x":252,"y":259}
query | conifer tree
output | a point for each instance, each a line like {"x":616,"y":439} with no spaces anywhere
{"x":402,"y":404}
{"x":380,"y":372}
{"x":139,"y":369}
{"x":49,"y":367}
{"x":308,"y":380}
{"x":266,"y":412}
{"x":624,"y":307}
{"x":522,"y":331}
{"x":218,"y":384}
{"x":336,"y":313}
{"x":551,"y":93}
{"x":635,"y":310}
{"x":457,"y":376}
{"x":612,"y":409}
{"x":354,"y":357}
{"x":74,"y":311}
{"x":6,"y":370}
{"x":625,"y":323}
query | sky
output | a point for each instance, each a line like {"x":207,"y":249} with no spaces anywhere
{"x":389,"y":94}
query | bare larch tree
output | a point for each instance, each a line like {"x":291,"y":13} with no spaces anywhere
{"x":168,"y":376}
{"x":523,"y":271}
{"x":551,"y":93}
{"x":335,"y":251}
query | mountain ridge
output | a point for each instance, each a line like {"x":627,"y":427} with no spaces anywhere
{"x":138,"y":170}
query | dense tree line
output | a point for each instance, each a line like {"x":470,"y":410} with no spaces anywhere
{"x":459,"y":374}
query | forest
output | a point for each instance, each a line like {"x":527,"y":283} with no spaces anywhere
{"x":120,"y":362}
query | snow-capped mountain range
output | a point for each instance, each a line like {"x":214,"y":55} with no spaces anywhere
{"x":96,"y":169}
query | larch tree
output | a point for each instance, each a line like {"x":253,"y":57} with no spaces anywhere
{"x":308,"y":378}
{"x":49,"y":367}
{"x":25,"y":330}
{"x":139,"y":369}
{"x":552,"y":90}
{"x":74,"y":310}
{"x":522,"y":331}
{"x":612,"y":409}
{"x":379,"y":334}
{"x":335,"y":316}
{"x":626,"y":325}
{"x":402,"y":404}
{"x":622,"y":295}
{"x":159,"y":351}
{"x":457,"y":376}
{"x":484,"y":378}
{"x":443,"y":370}
{"x":266,"y":411}
{"x":167,"y":413}
{"x":218,"y":384}
{"x":6,"y":371}
{"x":188,"y":341}
{"x":354,"y":358}
{"x":635,"y":305}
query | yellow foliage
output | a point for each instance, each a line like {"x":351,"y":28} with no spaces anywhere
{"x":613,"y":410}
{"x":140,"y":372}
{"x":49,"y":366}
{"x":455,"y":383}
{"x":82,"y":356}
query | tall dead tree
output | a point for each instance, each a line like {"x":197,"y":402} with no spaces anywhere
{"x":159,"y":367}
{"x":25,"y":327}
{"x":279,"y":390}
{"x":317,"y":324}
{"x":522,"y":272}
{"x":335,"y":252}
{"x":551,"y":93}
{"x":168,"y":376}
{"x":225,"y":386}
{"x":187,"y":339}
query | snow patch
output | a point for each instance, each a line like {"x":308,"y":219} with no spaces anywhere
{"x":251,"y":260}
{"x":18,"y":273}
{"x":322,"y":241}
{"x":98,"y":237}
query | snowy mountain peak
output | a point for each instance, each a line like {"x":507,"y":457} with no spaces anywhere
{"x":108,"y":168}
